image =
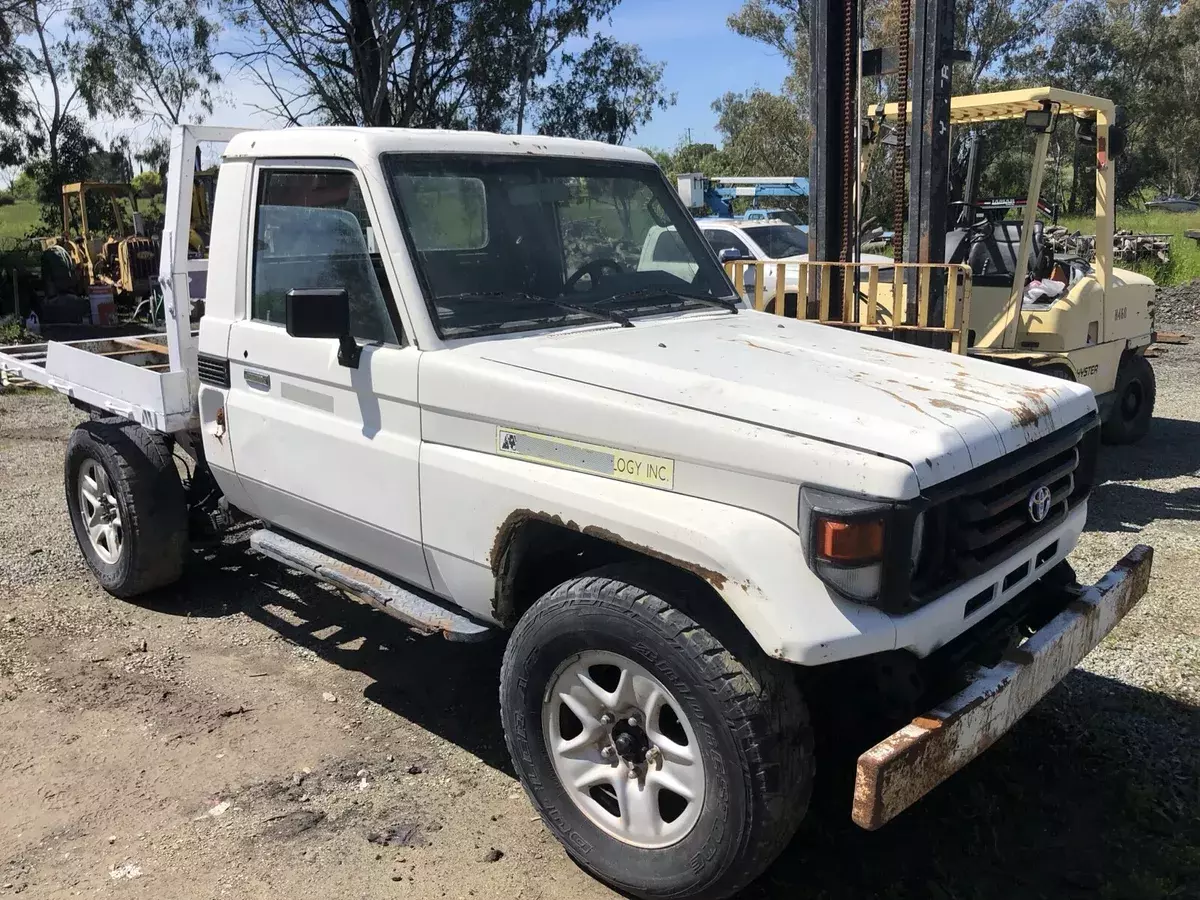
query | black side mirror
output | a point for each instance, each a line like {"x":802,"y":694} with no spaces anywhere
{"x":729,"y":254}
{"x":323,"y":313}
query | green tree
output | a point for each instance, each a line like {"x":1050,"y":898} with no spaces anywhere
{"x":147,"y":184}
{"x":605,"y":93}
{"x":763,"y":133}
{"x":55,"y":138}
{"x":71,"y":162}
{"x":24,"y":186}
{"x":544,"y":28}
{"x":781,"y":25}
{"x":147,"y":59}
{"x":12,"y":66}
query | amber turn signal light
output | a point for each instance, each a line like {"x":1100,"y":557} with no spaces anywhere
{"x":849,"y":543}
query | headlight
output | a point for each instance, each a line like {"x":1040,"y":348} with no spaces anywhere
{"x":866,"y":550}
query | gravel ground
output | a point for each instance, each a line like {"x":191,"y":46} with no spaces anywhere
{"x":1178,"y":304}
{"x":250,"y":734}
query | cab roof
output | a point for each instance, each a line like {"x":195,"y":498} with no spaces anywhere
{"x":362,"y":143}
{"x":1005,"y":105}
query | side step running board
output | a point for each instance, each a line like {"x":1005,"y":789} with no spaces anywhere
{"x":421,"y":613}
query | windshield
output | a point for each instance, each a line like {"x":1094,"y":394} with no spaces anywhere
{"x":507,"y":244}
{"x":778,"y":241}
{"x":782,"y":215}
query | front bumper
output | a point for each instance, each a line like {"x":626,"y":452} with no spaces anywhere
{"x":905,"y":766}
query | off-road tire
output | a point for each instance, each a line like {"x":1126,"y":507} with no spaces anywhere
{"x":746,"y":710}
{"x":150,"y":497}
{"x":1129,"y":421}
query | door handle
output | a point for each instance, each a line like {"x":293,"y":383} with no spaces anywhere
{"x":257,"y":380}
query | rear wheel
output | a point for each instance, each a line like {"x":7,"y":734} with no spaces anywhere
{"x":1129,"y":418}
{"x":671,"y":758}
{"x":127,"y":505}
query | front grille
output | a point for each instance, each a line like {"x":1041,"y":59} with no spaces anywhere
{"x":213,"y":370}
{"x":977,"y":521}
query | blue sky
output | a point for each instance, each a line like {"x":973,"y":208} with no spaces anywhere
{"x":704,"y":59}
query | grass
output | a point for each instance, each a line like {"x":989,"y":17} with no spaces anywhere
{"x":18,"y":220}
{"x":1185,"y":252}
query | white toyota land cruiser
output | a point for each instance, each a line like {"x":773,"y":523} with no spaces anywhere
{"x":439,"y":370}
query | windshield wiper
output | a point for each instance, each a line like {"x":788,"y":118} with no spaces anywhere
{"x":525,"y":297}
{"x":723,"y":302}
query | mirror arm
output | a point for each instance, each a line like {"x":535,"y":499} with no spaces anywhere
{"x":349,"y":352}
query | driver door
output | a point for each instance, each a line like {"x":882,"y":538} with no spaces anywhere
{"x":324,"y":451}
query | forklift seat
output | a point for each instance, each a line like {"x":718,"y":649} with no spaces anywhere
{"x":993,"y":255}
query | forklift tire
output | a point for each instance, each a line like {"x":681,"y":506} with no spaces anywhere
{"x":1133,"y":408}
{"x":667,"y":753}
{"x":127,"y":505}
{"x":789,"y":305}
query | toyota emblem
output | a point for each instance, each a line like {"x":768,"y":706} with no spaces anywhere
{"x":1039,"y":504}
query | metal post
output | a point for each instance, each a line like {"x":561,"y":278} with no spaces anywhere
{"x":929,"y":140}
{"x":173,"y":260}
{"x":1012,"y":315}
{"x":833,"y":168}
{"x":1105,"y":185}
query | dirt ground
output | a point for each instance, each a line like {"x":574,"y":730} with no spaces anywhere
{"x":250,"y":734}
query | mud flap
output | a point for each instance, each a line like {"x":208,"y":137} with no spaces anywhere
{"x":902,"y":768}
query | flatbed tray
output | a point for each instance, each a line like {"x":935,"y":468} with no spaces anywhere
{"x":128,"y":376}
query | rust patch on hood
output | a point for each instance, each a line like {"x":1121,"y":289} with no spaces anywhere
{"x":1029,"y":412}
{"x":943,"y":403}
{"x":749,"y":342}
{"x":894,"y":353}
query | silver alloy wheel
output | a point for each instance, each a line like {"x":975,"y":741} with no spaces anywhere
{"x":100,"y":512}
{"x":623,"y":749}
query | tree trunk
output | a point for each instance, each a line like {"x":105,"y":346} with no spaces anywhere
{"x":374,"y":103}
{"x":1075,"y":164}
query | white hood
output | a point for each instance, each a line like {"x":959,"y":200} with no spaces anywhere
{"x":940,"y":413}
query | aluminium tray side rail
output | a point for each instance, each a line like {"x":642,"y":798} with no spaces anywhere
{"x":90,"y":373}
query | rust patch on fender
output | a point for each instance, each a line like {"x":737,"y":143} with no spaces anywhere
{"x":504,"y":535}
{"x":716,"y":579}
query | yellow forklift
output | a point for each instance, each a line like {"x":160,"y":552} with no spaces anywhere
{"x":102,"y":243}
{"x":1003,"y":294}
{"x":1070,"y":317}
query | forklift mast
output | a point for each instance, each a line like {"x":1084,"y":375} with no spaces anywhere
{"x":922,"y":62}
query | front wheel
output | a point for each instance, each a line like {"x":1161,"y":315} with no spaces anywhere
{"x":671,"y":758}
{"x":1129,"y":419}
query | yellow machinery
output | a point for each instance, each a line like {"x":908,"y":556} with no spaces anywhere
{"x":1095,"y":331}
{"x":101,"y":237}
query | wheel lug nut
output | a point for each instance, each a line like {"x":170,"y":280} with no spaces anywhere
{"x":633,"y":773}
{"x":606,"y":752}
{"x":633,"y":721}
{"x":606,"y":719}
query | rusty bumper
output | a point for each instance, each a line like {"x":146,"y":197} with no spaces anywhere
{"x":898,"y":771}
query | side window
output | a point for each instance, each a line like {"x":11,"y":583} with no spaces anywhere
{"x":724,"y":240}
{"x":312,"y":231}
